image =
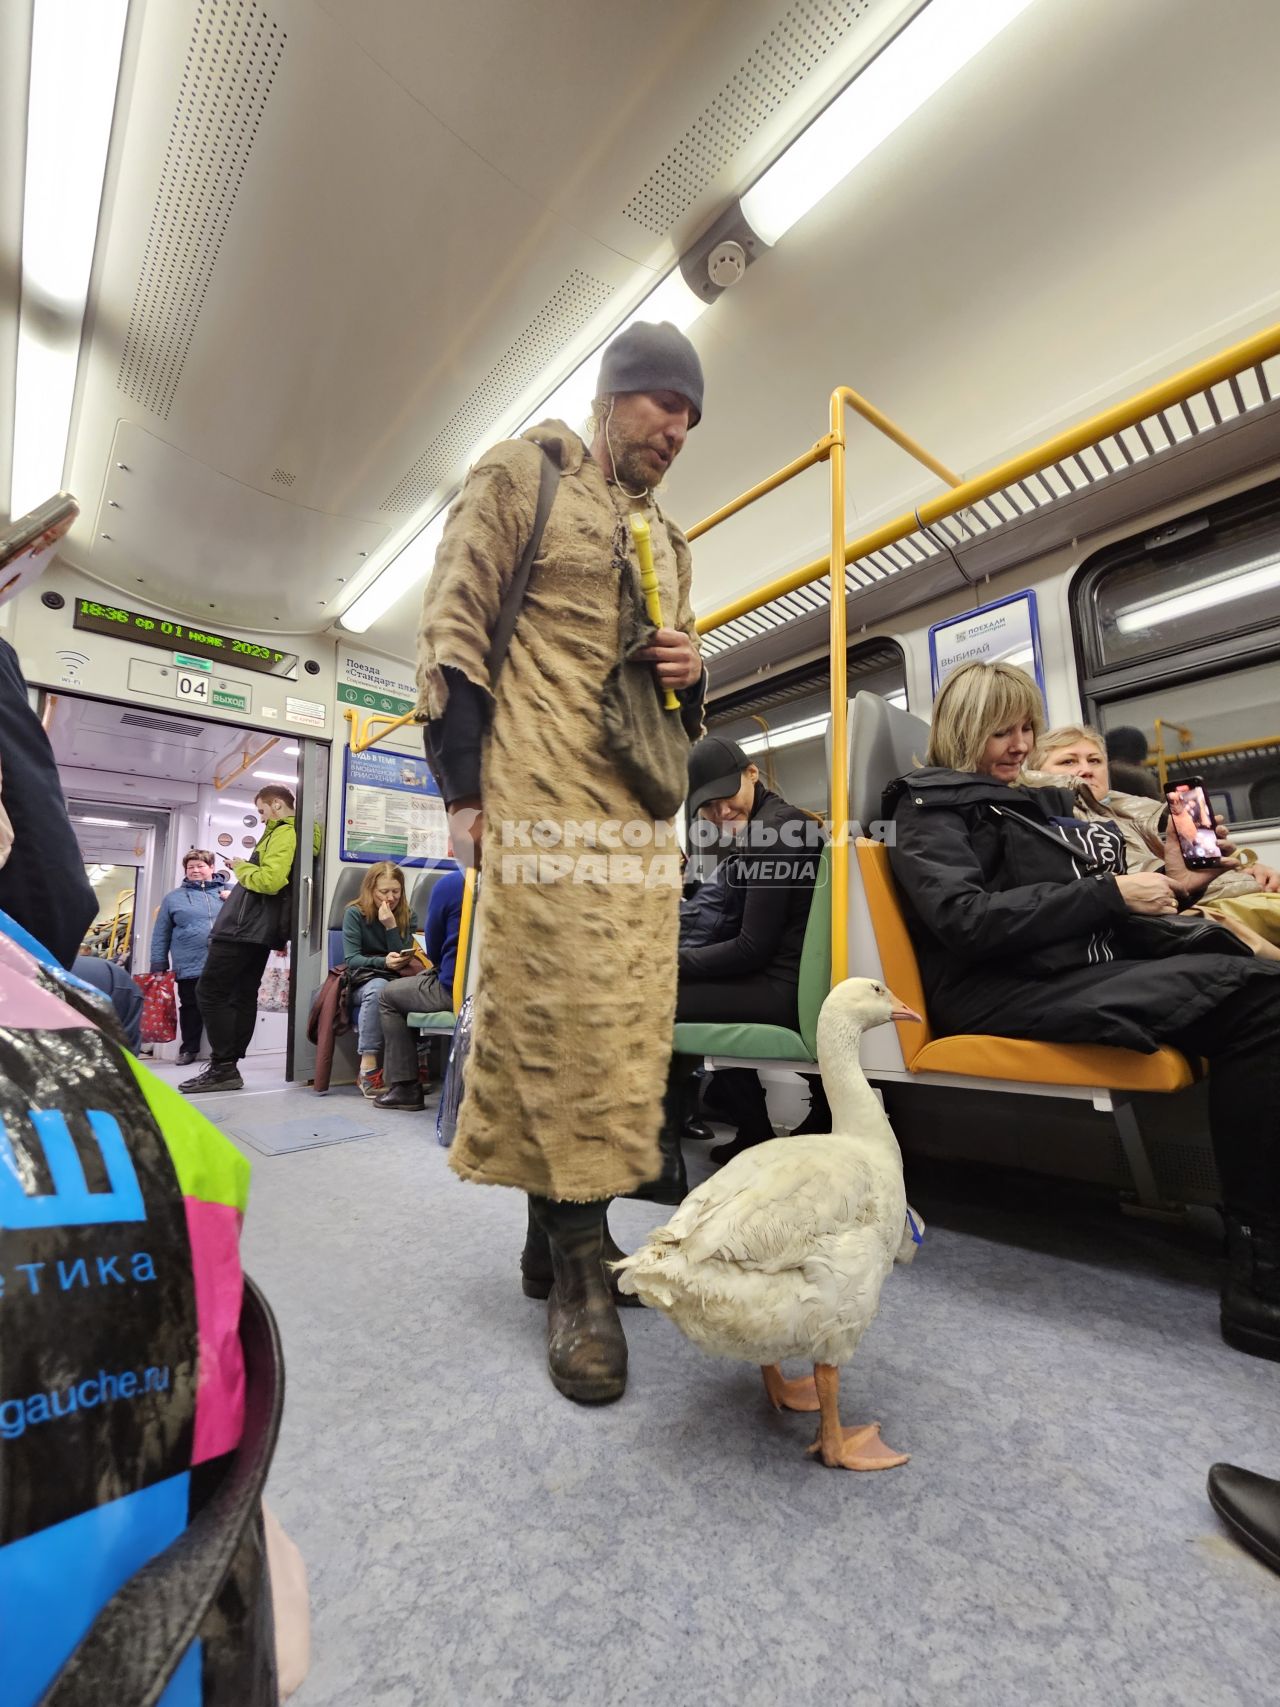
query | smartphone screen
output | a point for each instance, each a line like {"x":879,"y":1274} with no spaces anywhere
{"x":1192,"y":819}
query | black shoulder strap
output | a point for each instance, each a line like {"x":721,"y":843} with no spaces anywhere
{"x":136,"y":1642}
{"x":510,"y":612}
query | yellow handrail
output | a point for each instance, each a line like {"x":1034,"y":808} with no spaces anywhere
{"x":246,"y":759}
{"x":463,"y":951}
{"x":361,"y":738}
{"x":1186,"y":755}
{"x":1250,"y":352}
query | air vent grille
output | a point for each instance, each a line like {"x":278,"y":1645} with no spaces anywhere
{"x":282,"y":477}
{"x":136,"y":720}
{"x":797,"y":44}
{"x":231,"y":66}
{"x":578,"y":299}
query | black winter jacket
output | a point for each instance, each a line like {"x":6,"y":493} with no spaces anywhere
{"x":769,"y":878}
{"x":1044,"y":958}
{"x":43,"y":884}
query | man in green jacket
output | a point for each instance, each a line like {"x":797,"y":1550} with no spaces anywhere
{"x":254,"y":921}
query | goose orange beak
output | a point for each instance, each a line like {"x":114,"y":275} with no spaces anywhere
{"x":902,"y":1011}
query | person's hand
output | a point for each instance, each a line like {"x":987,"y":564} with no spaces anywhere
{"x":466,"y":831}
{"x":674,"y":657}
{"x":396,"y":959}
{"x":1147,"y":892}
{"x":1267,"y":879}
{"x":1190,"y":885}
{"x":224,"y":894}
{"x":387,"y":915}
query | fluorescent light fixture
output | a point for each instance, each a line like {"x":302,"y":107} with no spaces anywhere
{"x":937,"y":43}
{"x":672,"y":299}
{"x":1259,"y":580}
{"x":808,"y":729}
{"x":291,"y":752}
{"x":109,"y":823}
{"x":398,"y":577}
{"x":275,"y":776}
{"x":75,"y":66}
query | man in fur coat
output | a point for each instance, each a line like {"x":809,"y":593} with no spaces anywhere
{"x":580,"y":869}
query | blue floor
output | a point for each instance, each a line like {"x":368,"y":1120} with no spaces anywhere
{"x":472,"y":1538}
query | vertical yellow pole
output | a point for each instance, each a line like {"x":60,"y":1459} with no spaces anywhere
{"x":839,"y":758}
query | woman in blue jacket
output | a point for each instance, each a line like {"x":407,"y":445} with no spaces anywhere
{"x":182,"y":927}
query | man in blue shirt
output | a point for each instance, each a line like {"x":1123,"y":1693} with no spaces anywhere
{"x":428,"y":992}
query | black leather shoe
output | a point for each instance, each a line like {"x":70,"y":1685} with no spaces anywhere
{"x":1249,"y":1505}
{"x":401,"y":1096}
{"x":186,"y":1057}
{"x":744,"y":1141}
{"x":698,"y":1130}
{"x":216,"y":1077}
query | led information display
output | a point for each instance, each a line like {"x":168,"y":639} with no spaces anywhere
{"x":182,"y":637}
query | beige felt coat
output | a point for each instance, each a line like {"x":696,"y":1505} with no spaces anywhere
{"x":577,"y":972}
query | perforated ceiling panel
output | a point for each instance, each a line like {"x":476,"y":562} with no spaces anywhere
{"x":803,"y":36}
{"x":231,"y":65}
{"x":573,"y":305}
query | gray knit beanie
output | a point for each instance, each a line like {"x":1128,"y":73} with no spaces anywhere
{"x":649,"y":357}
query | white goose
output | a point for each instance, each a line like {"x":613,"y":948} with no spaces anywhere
{"x":782,"y":1253}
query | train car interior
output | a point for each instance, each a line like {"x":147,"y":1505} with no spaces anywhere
{"x":986,"y":298}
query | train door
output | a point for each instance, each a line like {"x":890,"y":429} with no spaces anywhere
{"x":144,"y":788}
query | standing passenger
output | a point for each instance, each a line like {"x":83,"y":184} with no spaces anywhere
{"x":577,"y":971}
{"x":254,"y":921}
{"x":184,"y":920}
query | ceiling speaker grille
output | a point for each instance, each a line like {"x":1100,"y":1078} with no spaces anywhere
{"x":231,"y":65}
{"x":560,"y":320}
{"x":797,"y":44}
{"x":282,"y":477}
{"x":138,"y":721}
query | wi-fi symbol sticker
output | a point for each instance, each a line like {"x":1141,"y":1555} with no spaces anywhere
{"x":72,"y":661}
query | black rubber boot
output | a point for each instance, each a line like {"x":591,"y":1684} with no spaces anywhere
{"x":536,"y":1277}
{"x":1251,"y":1295}
{"x":586,"y":1347}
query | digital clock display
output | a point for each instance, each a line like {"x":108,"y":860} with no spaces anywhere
{"x":173,"y":636}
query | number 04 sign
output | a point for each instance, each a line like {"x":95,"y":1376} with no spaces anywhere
{"x":194,"y":687}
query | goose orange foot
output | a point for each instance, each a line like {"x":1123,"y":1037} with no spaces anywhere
{"x":785,"y":1395}
{"x":843,"y":1448}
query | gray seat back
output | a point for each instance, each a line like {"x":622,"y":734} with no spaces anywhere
{"x":884,"y":743}
{"x":420,"y":894}
{"x":349,"y":880}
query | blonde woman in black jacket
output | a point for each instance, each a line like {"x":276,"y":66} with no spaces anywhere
{"x":1023,"y":920}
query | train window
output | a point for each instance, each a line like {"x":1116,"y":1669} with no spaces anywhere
{"x":782,"y":721}
{"x":1178,"y":635}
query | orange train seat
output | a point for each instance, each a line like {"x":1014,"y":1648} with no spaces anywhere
{"x":1012,"y":1059}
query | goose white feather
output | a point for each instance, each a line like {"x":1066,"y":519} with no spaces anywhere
{"x":782,"y":1254}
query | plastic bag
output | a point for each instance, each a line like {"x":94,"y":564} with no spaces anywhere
{"x":159,"y":1006}
{"x":273,"y":992}
{"x":451,"y":1090}
{"x":122,"y":1377}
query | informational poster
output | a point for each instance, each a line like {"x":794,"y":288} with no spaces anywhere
{"x":391,"y":810}
{"x":375,"y":685}
{"x":1006,"y":632}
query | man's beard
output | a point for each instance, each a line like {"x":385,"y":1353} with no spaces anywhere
{"x":633,"y":464}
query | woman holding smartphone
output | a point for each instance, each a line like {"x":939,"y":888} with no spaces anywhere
{"x":377,"y":944}
{"x":1020,"y":916}
{"x":1244,"y":897}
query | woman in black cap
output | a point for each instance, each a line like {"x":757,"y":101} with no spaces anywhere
{"x":749,"y":973}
